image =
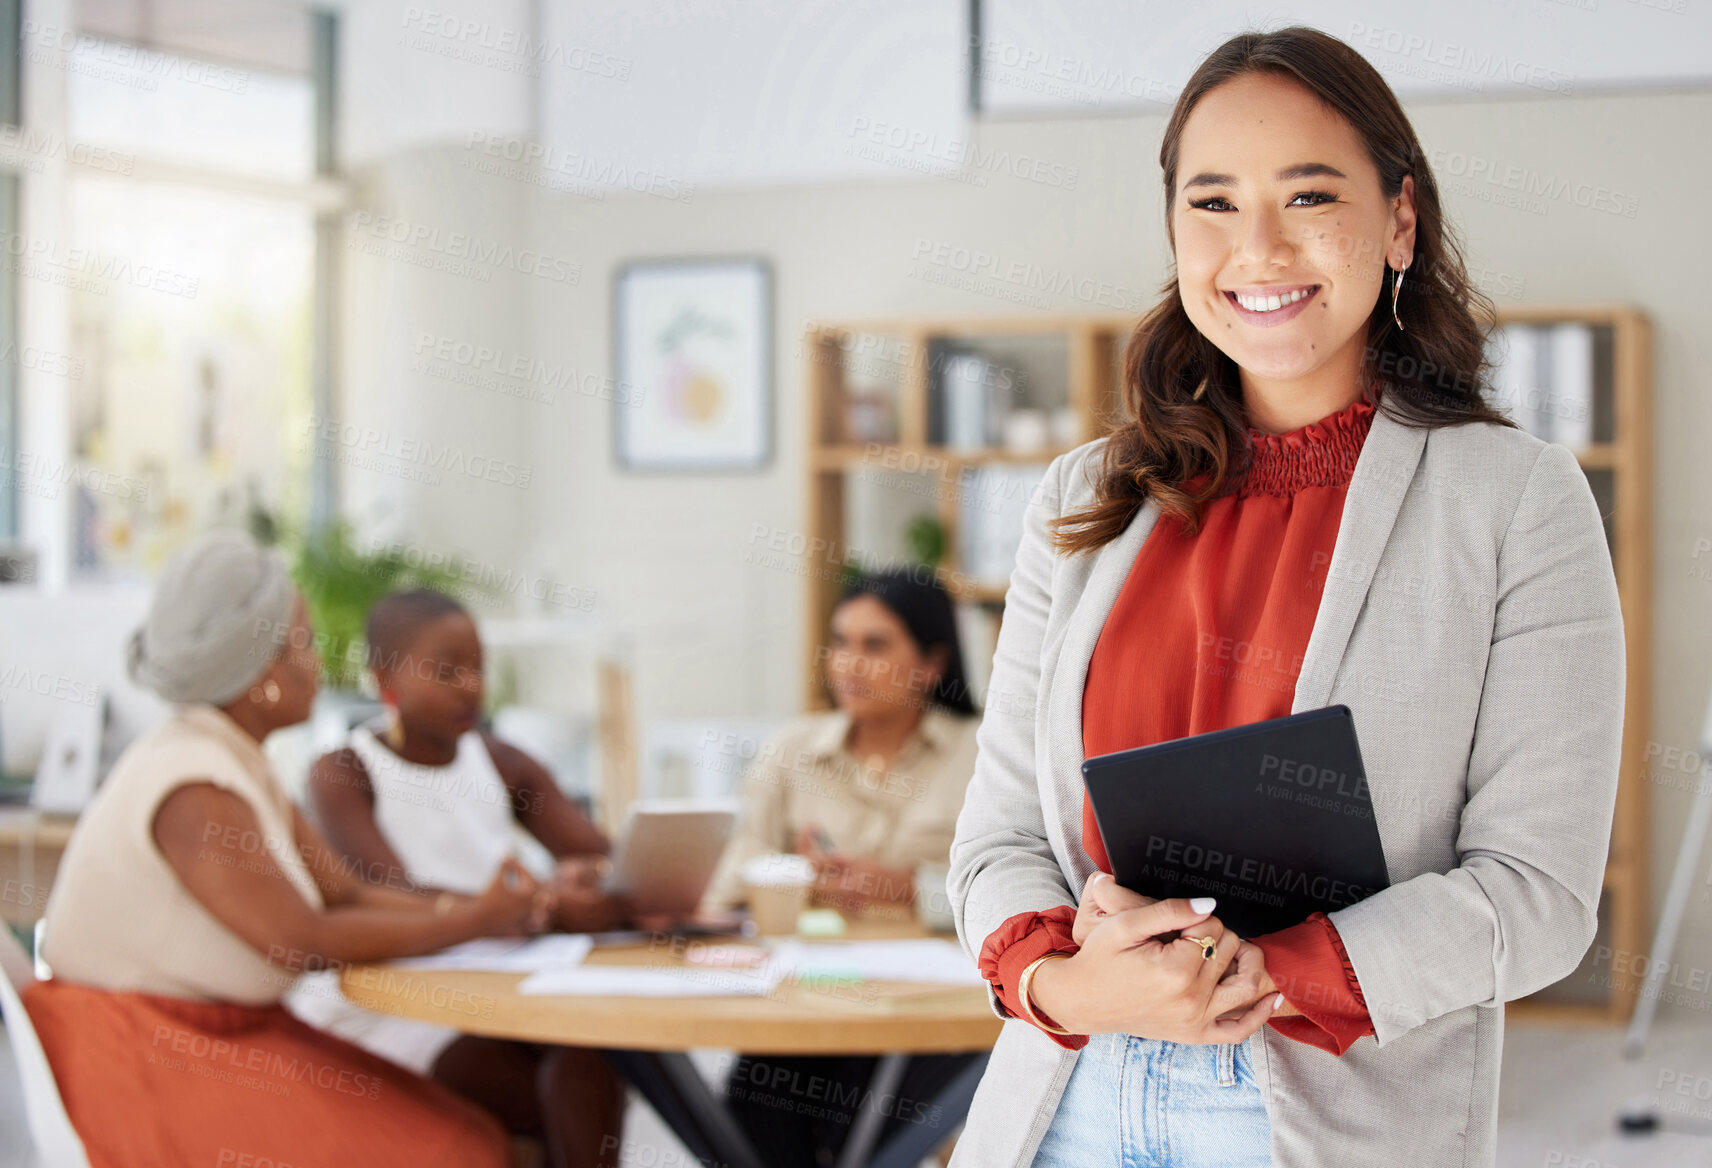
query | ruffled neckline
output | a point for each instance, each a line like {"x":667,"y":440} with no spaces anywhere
{"x":1322,"y":453}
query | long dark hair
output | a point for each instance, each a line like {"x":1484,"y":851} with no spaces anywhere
{"x":1182,"y":396}
{"x":927,"y":612}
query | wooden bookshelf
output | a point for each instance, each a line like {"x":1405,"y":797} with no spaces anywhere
{"x":836,"y":354}
{"x":1623,"y":458}
{"x":1618,"y":463}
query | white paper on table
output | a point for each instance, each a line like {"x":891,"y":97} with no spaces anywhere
{"x":647,"y":981}
{"x":508,"y":954}
{"x":914,"y":960}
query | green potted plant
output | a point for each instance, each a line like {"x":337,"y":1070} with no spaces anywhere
{"x":926,"y":537}
{"x":927,"y":542}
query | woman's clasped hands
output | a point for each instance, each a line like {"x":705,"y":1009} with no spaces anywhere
{"x":1138,"y":973}
{"x":514,"y":901}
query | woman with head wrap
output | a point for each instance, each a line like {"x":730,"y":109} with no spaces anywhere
{"x":193,"y":894}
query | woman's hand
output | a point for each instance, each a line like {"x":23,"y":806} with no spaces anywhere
{"x":1125,"y":980}
{"x":512,"y":901}
{"x":1269,"y":988}
{"x":581,"y":904}
{"x":852,"y":882}
{"x":581,"y":873}
{"x":1103,"y":896}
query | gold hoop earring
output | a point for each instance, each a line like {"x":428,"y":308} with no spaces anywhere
{"x":1396,"y":287}
{"x":1200,"y":390}
{"x":268,"y":691}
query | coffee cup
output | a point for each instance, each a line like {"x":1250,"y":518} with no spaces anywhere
{"x":777,"y":886}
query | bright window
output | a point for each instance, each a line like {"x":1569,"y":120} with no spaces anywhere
{"x":186,"y":259}
{"x":177,"y":109}
{"x":191,"y":312}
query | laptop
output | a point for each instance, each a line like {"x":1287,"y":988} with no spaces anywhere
{"x":667,"y":853}
{"x":1274,"y":818}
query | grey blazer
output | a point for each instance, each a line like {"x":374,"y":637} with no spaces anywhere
{"x":1470,"y":622}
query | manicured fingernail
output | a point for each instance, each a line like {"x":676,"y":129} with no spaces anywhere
{"x":1278,"y":1002}
{"x":1203,"y":903}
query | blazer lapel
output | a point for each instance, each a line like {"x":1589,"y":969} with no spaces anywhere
{"x":1386,"y":466}
{"x":1383,"y":472}
{"x":1061,"y":786}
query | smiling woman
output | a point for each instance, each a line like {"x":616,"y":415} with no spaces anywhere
{"x":1264,"y":485}
{"x":1286,"y":234}
{"x":1291,"y":185}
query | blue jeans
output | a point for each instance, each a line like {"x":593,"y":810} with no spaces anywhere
{"x":1143,"y":1103}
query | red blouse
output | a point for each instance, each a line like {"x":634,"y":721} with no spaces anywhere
{"x":1209,"y":632}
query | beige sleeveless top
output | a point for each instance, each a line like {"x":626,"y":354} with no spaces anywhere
{"x":118,"y":918}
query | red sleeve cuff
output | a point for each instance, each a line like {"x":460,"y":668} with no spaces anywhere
{"x":1313,"y":972}
{"x":1018,"y":942}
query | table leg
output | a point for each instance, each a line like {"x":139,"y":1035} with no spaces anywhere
{"x":916,"y":1141}
{"x":865,"y":1128}
{"x":675,"y":1089}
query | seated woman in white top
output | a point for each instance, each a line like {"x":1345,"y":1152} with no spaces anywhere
{"x":429,"y":803}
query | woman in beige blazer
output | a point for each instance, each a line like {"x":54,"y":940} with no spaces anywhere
{"x":869,"y":791}
{"x":1468,"y":618}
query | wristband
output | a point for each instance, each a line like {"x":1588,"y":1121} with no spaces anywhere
{"x":1023,"y":982}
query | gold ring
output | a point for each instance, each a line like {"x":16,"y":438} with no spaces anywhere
{"x":1207,"y":944}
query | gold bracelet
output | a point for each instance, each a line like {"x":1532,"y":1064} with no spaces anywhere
{"x":444,"y":902}
{"x":1023,"y":983}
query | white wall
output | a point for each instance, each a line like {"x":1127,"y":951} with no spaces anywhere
{"x":433,"y":255}
{"x":64,"y":650}
{"x":412,"y":74}
{"x":752,"y":93}
{"x":1107,"y":55}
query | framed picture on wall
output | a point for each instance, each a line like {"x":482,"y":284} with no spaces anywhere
{"x":693,"y":357}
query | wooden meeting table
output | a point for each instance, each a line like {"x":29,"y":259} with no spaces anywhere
{"x":647,"y":1038}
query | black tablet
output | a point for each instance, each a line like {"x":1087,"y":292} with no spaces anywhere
{"x":1273,"y":818}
